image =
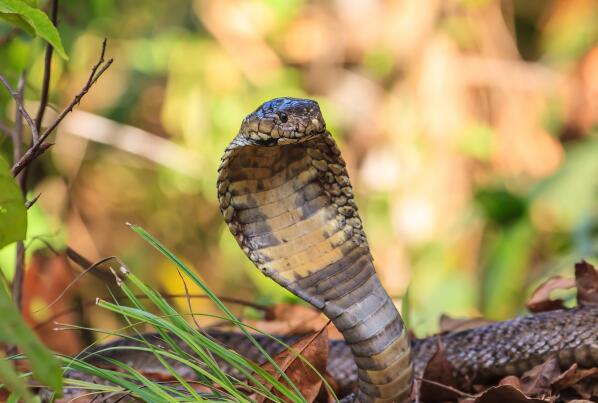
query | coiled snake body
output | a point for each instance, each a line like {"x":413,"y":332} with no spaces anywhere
{"x":287,"y":199}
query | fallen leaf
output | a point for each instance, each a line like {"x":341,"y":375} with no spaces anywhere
{"x":313,"y":348}
{"x":586,"y":279}
{"x":44,"y":296}
{"x":571,"y":377}
{"x":586,"y":389}
{"x":294,"y":319}
{"x":540,"y":299}
{"x":539,"y":379}
{"x":510,"y":380}
{"x":438,"y":383}
{"x":503,"y":394}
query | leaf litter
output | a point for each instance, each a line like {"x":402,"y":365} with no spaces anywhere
{"x":545,"y":382}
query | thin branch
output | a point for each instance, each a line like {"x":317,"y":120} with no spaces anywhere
{"x":17,"y":279}
{"x":94,"y":268}
{"x":446,"y":387}
{"x":19,"y":104}
{"x":17,"y":146}
{"x":76,"y":280}
{"x":96,"y":72}
{"x":31,"y":202}
{"x":47,"y":73}
{"x":93,"y":302}
{"x":98,"y":68}
{"x":17,"y":134}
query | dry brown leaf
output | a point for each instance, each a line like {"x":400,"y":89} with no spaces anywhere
{"x":586,"y":389}
{"x":511,"y":380}
{"x":571,"y":377}
{"x":46,"y":278}
{"x":538,"y":380}
{"x":4,"y":394}
{"x":439,"y":371}
{"x":586,"y":279}
{"x":503,"y":394}
{"x":449,"y":324}
{"x":314,"y":348}
{"x":540,"y":299}
{"x":294,"y":319}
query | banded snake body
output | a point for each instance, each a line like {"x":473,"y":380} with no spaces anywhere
{"x":286,"y":197}
{"x":285,"y":194}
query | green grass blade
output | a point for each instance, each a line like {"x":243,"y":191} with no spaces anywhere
{"x":193,"y":276}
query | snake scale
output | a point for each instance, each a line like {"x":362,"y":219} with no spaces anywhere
{"x":286,"y":197}
{"x":483,"y":354}
{"x":285,"y":194}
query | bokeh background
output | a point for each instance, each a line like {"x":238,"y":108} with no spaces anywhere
{"x":470,"y":128}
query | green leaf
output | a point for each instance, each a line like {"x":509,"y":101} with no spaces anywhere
{"x":13,"y":214}
{"x":21,"y":13}
{"x":506,"y":271}
{"x":18,"y":21}
{"x":14,"y":331}
{"x":500,"y":206}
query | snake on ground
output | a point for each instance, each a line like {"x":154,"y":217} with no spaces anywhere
{"x":286,"y":197}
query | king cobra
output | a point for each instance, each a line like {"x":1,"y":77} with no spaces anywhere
{"x":285,"y":194}
{"x":287,"y":199}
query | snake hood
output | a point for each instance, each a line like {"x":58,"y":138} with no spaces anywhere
{"x":285,"y":195}
{"x":283,"y":121}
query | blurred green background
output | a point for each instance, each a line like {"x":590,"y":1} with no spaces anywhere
{"x":470,"y":128}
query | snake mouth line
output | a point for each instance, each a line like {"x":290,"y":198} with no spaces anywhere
{"x":287,"y":198}
{"x":263,"y":139}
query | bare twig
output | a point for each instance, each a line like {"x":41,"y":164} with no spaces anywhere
{"x":33,"y":152}
{"x":31,"y":202}
{"x":17,"y":134}
{"x":446,"y":387}
{"x":17,"y":279}
{"x":19,"y":104}
{"x":76,"y":280}
{"x":93,"y":302}
{"x":86,"y":265}
{"x":17,"y":146}
{"x":97,"y":269}
{"x":96,"y":71}
{"x":47,"y":72}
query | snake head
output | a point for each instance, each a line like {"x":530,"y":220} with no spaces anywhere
{"x":283,"y":121}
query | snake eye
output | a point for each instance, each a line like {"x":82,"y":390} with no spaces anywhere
{"x":283,"y":117}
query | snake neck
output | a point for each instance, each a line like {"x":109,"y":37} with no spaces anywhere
{"x":290,"y":207}
{"x":372,"y":327}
